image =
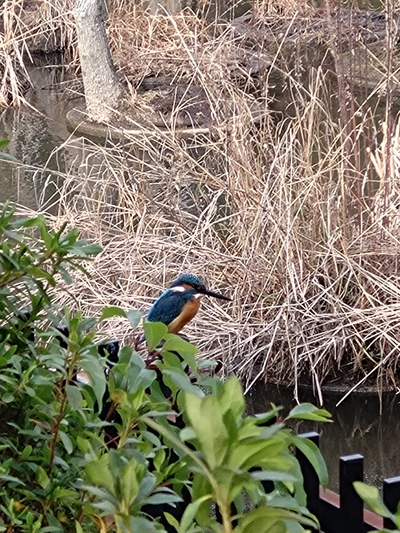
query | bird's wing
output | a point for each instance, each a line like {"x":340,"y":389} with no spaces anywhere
{"x":167,"y":307}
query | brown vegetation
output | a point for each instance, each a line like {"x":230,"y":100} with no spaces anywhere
{"x":26,"y":27}
{"x":294,"y":215}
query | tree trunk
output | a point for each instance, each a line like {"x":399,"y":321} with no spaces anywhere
{"x":103,"y":92}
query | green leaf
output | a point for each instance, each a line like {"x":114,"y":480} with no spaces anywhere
{"x":47,"y":238}
{"x":163,"y":496}
{"x":172,"y":521}
{"x":127,"y":356}
{"x":78,"y":527}
{"x":313,"y":454}
{"x":187,"y":433}
{"x":129,"y":482}
{"x":370,"y":496}
{"x":232,"y":398}
{"x":288,"y":502}
{"x":69,"y":448}
{"x":170,"y":359}
{"x":13,"y":479}
{"x":154,"y":333}
{"x":134,"y":318}
{"x":111,"y":311}
{"x":206,"y":419}
{"x":97,"y":377}
{"x":256,"y":521}
{"x":272,"y":475}
{"x":42,"y":478}
{"x":190,"y":513}
{"x":80,"y":248}
{"x":7,"y":398}
{"x":263,"y":418}
{"x":181,"y":380}
{"x":270,"y":519}
{"x":7,"y":157}
{"x":42,"y":274}
{"x":83,"y":444}
{"x":266,"y":453}
{"x":91,"y":249}
{"x":174,"y":343}
{"x":66,"y":276}
{"x":28,"y":222}
{"x":159,"y":458}
{"x":307,"y":411}
{"x":99,"y":474}
{"x":26,"y":452}
{"x":13,"y":235}
{"x":74,"y":396}
{"x":139,"y":524}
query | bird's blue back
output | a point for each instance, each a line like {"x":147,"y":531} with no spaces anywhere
{"x":169,"y":305}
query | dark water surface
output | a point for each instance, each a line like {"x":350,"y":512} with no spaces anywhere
{"x":36,"y":136}
{"x":362,"y":424}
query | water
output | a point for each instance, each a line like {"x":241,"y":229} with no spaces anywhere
{"x":363,"y":424}
{"x":36,"y":134}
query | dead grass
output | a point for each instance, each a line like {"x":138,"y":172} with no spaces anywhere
{"x":295,"y":217}
{"x":27,"y":27}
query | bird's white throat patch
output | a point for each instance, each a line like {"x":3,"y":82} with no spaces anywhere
{"x":179,"y":288}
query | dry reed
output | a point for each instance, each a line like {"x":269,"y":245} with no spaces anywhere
{"x":25,"y":28}
{"x":294,"y":216}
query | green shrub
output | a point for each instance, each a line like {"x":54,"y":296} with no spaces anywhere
{"x":179,"y":435}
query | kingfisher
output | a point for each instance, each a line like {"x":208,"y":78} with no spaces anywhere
{"x":180,"y":302}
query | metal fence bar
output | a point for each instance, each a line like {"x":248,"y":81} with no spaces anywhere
{"x":351,"y":468}
{"x":391,"y":498}
{"x":310,"y":477}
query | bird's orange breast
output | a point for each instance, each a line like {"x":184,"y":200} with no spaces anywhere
{"x":188,"y":312}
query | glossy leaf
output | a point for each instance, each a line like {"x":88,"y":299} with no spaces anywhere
{"x":307,"y":411}
{"x":313,"y":454}
{"x":134,"y":318}
{"x":154,"y":333}
{"x":174,"y":343}
{"x":7,"y":157}
{"x":129,"y":482}
{"x":370,"y":496}
{"x":272,"y":475}
{"x":205,"y":417}
{"x":232,"y":397}
{"x":190,"y":513}
{"x":99,"y":474}
{"x":97,"y":377}
{"x":109,"y":312}
{"x":182,"y":381}
{"x":163,"y":496}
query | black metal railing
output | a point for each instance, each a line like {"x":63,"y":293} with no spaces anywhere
{"x":344,"y":512}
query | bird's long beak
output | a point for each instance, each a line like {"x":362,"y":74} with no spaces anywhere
{"x":215,"y":294}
